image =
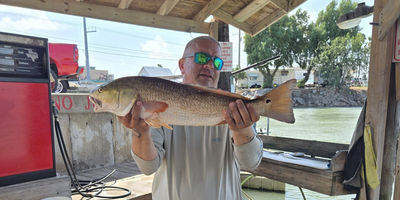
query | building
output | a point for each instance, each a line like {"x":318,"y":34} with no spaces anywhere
{"x":159,"y":72}
{"x":255,"y":77}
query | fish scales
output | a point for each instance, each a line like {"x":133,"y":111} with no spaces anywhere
{"x":166,"y":102}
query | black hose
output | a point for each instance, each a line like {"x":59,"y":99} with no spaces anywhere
{"x":83,"y":187}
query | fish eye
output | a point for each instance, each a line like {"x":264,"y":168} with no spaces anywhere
{"x":100,"y":90}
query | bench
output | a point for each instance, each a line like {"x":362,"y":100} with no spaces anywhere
{"x":321,"y":169}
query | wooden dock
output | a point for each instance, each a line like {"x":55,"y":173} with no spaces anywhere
{"x":126,"y":175}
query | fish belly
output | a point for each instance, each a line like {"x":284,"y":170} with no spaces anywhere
{"x":189,"y":119}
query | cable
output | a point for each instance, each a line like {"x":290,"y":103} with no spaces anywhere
{"x":83,"y":187}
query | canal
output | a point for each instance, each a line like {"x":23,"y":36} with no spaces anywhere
{"x":321,"y":124}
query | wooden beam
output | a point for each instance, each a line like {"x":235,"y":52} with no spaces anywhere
{"x":389,"y":149}
{"x":124,"y":4}
{"x":113,"y":14}
{"x":209,"y":9}
{"x":396,"y":195}
{"x":390,"y":13}
{"x":273,"y":17}
{"x":378,"y":92}
{"x":281,"y":4}
{"x":250,"y":9}
{"x":309,"y":147}
{"x":397,"y":69}
{"x":166,"y":7}
{"x":268,"y":21}
{"x":214,"y":29}
{"x":226,"y":17}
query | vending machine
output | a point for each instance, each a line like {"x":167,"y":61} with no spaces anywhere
{"x":26,"y":127}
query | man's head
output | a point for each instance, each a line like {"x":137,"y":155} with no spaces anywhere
{"x":200,"y":74}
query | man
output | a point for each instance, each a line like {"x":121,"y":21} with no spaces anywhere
{"x":197,"y":162}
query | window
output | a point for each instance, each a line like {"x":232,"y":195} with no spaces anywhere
{"x":253,"y":76}
{"x":284,"y":73}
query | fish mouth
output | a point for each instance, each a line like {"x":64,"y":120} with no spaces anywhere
{"x":98,"y":104}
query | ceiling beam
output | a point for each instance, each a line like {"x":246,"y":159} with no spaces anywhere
{"x":124,"y":4}
{"x":275,"y":16}
{"x":268,"y":21}
{"x":84,"y":9}
{"x":390,"y":13}
{"x":208,"y":10}
{"x":227,"y":18}
{"x":250,"y":10}
{"x":281,"y":4}
{"x":166,"y":7}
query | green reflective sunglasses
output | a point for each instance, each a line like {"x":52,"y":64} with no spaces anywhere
{"x":203,"y":58}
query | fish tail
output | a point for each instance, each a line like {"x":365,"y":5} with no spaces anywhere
{"x":278,"y":102}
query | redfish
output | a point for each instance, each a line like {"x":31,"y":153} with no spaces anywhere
{"x":169,"y":103}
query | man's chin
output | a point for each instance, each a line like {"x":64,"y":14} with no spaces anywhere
{"x":205,"y":82}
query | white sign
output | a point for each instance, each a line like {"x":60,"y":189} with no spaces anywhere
{"x":226,"y":56}
{"x":396,"y":49}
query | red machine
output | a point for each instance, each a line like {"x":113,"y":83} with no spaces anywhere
{"x":26,"y":127}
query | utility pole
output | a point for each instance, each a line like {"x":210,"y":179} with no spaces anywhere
{"x":87,"y":68}
{"x":240,"y":39}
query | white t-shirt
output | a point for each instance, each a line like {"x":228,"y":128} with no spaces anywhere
{"x":199,"y":162}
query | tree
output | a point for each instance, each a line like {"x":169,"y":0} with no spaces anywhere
{"x":240,"y":75}
{"x":340,"y":59}
{"x":327,"y":20}
{"x":273,"y":41}
{"x":160,"y":65}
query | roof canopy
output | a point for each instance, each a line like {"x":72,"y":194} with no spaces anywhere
{"x":186,"y":15}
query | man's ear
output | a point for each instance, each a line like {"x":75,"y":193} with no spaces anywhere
{"x":181,"y":65}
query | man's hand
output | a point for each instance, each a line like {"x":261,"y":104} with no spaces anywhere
{"x":243,"y":117}
{"x":133,"y":121}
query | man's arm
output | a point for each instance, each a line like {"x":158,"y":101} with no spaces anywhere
{"x":144,"y":151}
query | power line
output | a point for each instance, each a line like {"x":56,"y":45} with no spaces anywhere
{"x":103,"y":46}
{"x":79,"y":25}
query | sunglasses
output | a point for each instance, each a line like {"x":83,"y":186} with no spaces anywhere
{"x":203,"y":58}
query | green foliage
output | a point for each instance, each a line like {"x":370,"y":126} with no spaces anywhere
{"x":301,"y":83}
{"x":319,"y":46}
{"x":240,"y":75}
{"x":343,"y":56}
{"x":273,"y":41}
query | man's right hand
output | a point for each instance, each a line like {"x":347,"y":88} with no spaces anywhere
{"x":133,"y":121}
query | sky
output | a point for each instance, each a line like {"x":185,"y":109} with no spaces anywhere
{"x":123,"y":49}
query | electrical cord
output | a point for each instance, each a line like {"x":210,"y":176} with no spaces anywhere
{"x":83,"y":187}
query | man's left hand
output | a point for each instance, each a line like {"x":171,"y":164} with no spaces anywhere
{"x":242,"y":117}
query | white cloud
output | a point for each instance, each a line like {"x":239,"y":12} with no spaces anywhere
{"x":41,"y":22}
{"x":156,"y":47}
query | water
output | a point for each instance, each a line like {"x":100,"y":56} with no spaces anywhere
{"x":322,"y":124}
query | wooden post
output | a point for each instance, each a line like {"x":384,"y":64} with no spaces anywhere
{"x":397,"y":69}
{"x":396,"y":195}
{"x":389,"y":161}
{"x":214,"y":28}
{"x":223,"y":36}
{"x":378,"y":93}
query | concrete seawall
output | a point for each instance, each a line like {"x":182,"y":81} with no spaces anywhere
{"x":92,"y":139}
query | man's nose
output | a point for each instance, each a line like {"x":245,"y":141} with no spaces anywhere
{"x":209,"y":64}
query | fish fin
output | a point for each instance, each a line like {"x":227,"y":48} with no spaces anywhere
{"x":218,"y":91}
{"x":280,"y":101}
{"x":154,"y":122}
{"x":154,"y":106}
{"x":221,"y":123}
